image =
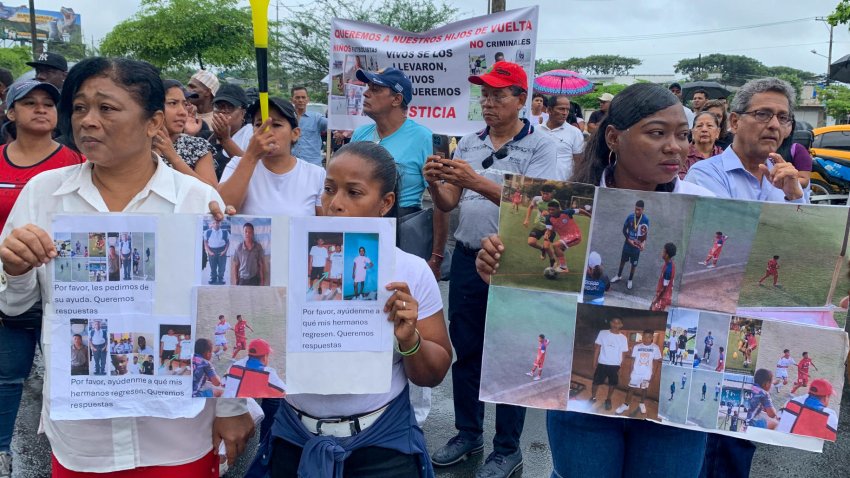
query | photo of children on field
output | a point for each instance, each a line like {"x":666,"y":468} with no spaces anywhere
{"x":680,"y":337}
{"x":742,"y":346}
{"x":102,"y":257}
{"x":617,"y":361}
{"x":704,"y":400}
{"x":544,"y":226}
{"x":675,"y":393}
{"x":639,"y":237}
{"x":710,"y":343}
{"x":719,"y":243}
{"x":527,"y":368}
{"x":325,"y":266}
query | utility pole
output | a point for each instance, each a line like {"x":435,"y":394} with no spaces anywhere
{"x":33,"y":33}
{"x":497,"y":6}
{"x":829,"y":54}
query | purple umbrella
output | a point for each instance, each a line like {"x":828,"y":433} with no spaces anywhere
{"x":562,"y":82}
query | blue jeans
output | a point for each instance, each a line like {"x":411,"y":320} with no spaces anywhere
{"x":125,"y":264}
{"x":99,"y":359}
{"x":17,"y":351}
{"x":217,"y":264}
{"x":586,"y":445}
{"x":727,"y":457}
{"x":467,"y":311}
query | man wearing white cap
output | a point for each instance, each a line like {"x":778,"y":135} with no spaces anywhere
{"x":202,"y":87}
{"x":597,"y":116}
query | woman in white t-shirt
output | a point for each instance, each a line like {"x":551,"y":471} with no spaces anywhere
{"x":386,"y":441}
{"x":639,"y":145}
{"x":268,"y":180}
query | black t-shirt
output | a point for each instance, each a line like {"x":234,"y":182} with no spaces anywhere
{"x":597,"y":116}
{"x":575,"y":109}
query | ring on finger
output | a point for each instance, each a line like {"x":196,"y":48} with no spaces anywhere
{"x":403,"y":305}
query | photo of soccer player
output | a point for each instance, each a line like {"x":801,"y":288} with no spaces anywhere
{"x":596,"y":281}
{"x":615,"y":363}
{"x":507,"y":372}
{"x":719,"y":242}
{"x":712,"y":335}
{"x":680,"y":337}
{"x":704,"y":405}
{"x":782,"y":273}
{"x":735,"y":395}
{"x":96,"y":244}
{"x":240,"y":315}
{"x":742,"y":346}
{"x":546,"y":239}
{"x":325,"y":266}
{"x":360,"y":272}
{"x":813,"y":353}
{"x":631,"y":231}
{"x":676,"y":390}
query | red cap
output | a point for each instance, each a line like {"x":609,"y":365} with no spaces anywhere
{"x":502,"y":75}
{"x":258,"y":348}
{"x":820,"y":387}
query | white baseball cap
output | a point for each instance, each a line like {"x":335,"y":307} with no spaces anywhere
{"x":594,"y":260}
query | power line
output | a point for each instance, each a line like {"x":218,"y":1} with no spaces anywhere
{"x":731,"y":49}
{"x":659,"y":36}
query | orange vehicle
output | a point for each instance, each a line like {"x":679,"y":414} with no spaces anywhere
{"x":831,"y":162}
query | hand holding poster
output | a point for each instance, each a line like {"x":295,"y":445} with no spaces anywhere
{"x":443,"y":100}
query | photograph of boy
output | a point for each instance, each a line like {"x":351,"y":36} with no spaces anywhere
{"x":216,"y":241}
{"x":99,"y":345}
{"x":704,"y":406}
{"x":737,"y":389}
{"x":779,"y":272}
{"x":172,"y":361}
{"x":527,"y":362}
{"x":241,"y":335}
{"x":642,"y":245}
{"x":252,"y":376}
{"x":719,"y":242}
{"x":205,"y":381}
{"x":760,"y":410}
{"x":680,"y":337}
{"x":80,"y":350}
{"x":97,"y":244}
{"x":809,"y":414}
{"x":712,"y":335}
{"x":742,"y":346}
{"x":360,"y":258}
{"x":596,"y":282}
{"x":613,"y":361}
{"x":676,"y":385}
{"x":546,"y":239}
{"x":798,"y":356}
{"x":325,"y":266}
{"x":248,"y":265}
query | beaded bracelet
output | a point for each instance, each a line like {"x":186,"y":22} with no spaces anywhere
{"x":413,"y":350}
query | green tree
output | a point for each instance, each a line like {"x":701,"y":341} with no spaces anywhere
{"x":735,"y":69}
{"x":305,"y":33}
{"x":15,"y":59}
{"x":841,"y":14}
{"x":836,"y":99}
{"x":71,"y":51}
{"x":591,"y":100}
{"x":802,"y":75}
{"x":169,"y":33}
{"x":795,"y":81}
{"x":604,"y":64}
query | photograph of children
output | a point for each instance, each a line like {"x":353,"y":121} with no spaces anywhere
{"x":680,"y":337}
{"x":113,"y":259}
{"x":544,"y":226}
{"x":98,"y":341}
{"x":96,"y":244}
{"x":742,"y":346}
{"x":710,"y":344}
{"x":250,"y":250}
{"x":132,"y":364}
{"x":62,"y":262}
{"x":476,"y":112}
{"x":721,"y":235}
{"x":240,"y":342}
{"x":616,"y":362}
{"x":704,"y":400}
{"x":737,"y":390}
{"x":325,"y":266}
{"x":215,"y":238}
{"x":360,"y":266}
{"x":675,"y":392}
{"x":527,"y":362}
{"x":477,"y":64}
{"x":124,"y":256}
{"x":802,"y":359}
{"x":80,"y":351}
{"x":96,"y":269}
{"x":354,"y":99}
{"x":793,"y":256}
{"x":121,"y":343}
{"x":638,"y":236}
{"x":171,"y":338}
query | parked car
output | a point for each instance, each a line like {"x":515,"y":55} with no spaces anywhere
{"x":320,"y":108}
{"x":831,"y":162}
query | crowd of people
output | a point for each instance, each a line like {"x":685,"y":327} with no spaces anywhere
{"x":112,"y":135}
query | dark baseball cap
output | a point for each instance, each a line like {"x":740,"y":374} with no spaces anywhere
{"x":232,"y":94}
{"x":22,"y":88}
{"x":675,"y":85}
{"x":392,"y":78}
{"x":282,"y":106}
{"x":50,"y":59}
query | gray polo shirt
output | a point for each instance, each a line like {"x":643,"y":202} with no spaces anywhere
{"x":249,"y":260}
{"x":530,"y":153}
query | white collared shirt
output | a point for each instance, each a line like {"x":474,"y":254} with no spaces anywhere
{"x":110,"y":444}
{"x":569,"y":141}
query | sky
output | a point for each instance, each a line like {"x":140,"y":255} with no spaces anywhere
{"x":577,"y":28}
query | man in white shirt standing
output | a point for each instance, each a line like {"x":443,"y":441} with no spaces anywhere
{"x":98,"y":343}
{"x":318,"y":258}
{"x":608,"y":353}
{"x":216,"y":242}
{"x":569,"y":140}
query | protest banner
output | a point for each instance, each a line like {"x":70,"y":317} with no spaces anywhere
{"x":438,"y":63}
{"x":752,"y":356}
{"x":336,"y":321}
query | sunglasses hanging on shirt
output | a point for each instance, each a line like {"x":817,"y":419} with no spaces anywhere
{"x":500,"y":154}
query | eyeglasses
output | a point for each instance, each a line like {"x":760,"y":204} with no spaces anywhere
{"x":764,"y":116}
{"x":501,"y":99}
{"x":502,"y":153}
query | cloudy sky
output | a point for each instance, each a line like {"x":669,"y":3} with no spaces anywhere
{"x":571,"y":28}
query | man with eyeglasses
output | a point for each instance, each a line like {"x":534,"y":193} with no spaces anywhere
{"x":750,"y":168}
{"x":472,"y":182}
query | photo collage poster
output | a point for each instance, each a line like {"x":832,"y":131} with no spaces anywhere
{"x":687,"y":310}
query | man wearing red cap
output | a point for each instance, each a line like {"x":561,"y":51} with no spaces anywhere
{"x":252,"y":376}
{"x":810,"y":414}
{"x":472,"y":182}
